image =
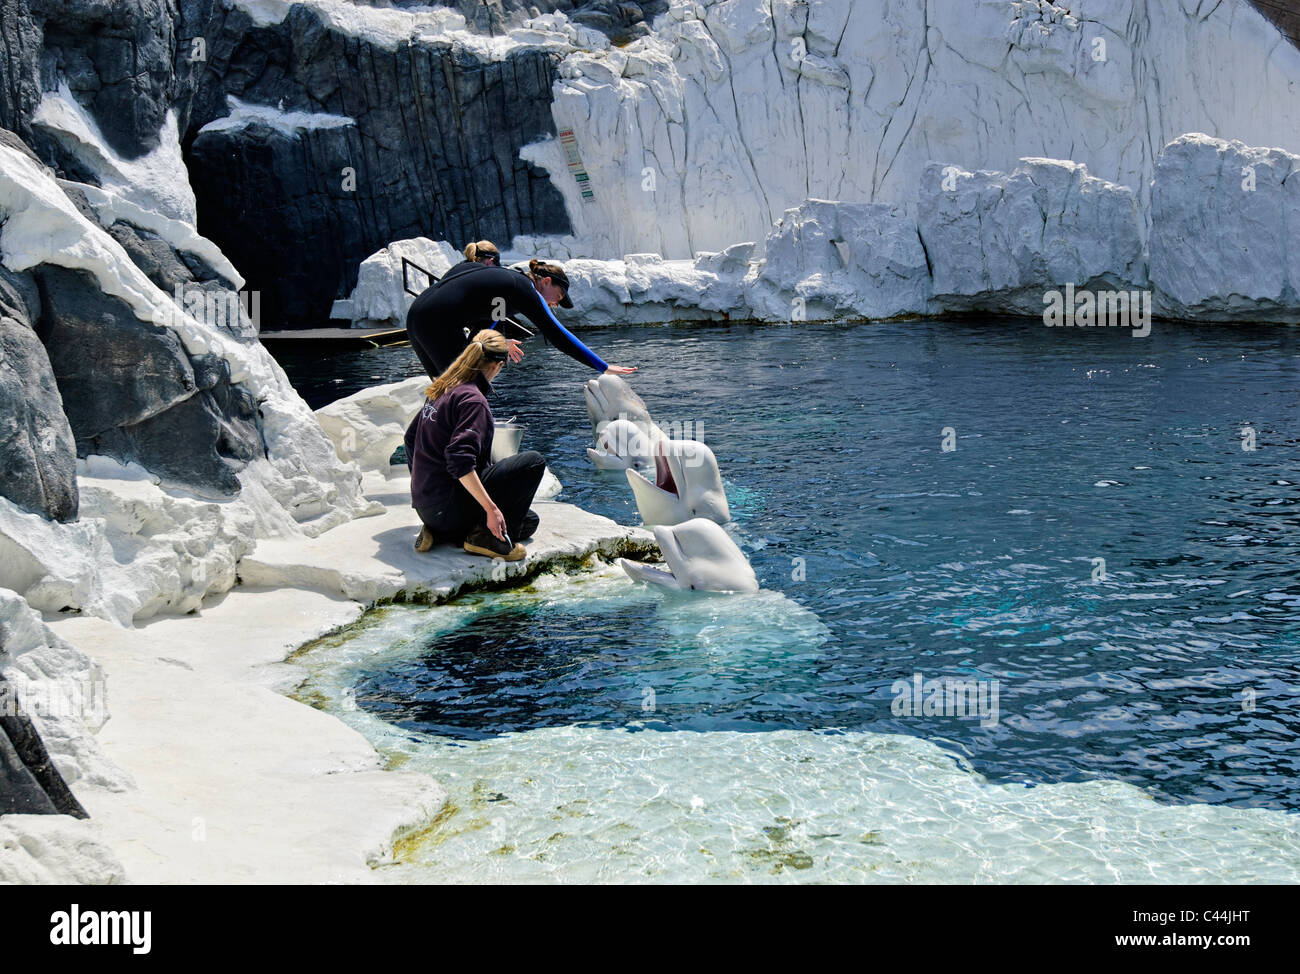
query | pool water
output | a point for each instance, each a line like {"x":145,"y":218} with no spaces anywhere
{"x":1069,"y":513}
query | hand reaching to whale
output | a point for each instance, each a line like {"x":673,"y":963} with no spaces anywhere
{"x":620,"y":370}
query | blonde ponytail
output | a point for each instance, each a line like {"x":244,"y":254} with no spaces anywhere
{"x":469,"y":363}
{"x":481,"y":251}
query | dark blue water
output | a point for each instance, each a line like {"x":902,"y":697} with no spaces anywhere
{"x":1178,"y":671}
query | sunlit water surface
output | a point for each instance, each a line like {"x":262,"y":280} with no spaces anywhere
{"x":1146,"y":729}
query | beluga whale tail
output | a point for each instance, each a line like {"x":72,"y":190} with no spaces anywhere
{"x":700,"y":557}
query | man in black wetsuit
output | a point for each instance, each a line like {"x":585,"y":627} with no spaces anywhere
{"x":472,"y":296}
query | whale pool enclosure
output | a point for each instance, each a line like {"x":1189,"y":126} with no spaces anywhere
{"x":1096,"y":534}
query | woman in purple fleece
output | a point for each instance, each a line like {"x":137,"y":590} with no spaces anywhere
{"x":460,"y":495}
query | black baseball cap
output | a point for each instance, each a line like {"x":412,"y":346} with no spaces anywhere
{"x":562,"y":280}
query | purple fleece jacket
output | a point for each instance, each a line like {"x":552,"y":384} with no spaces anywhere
{"x":448,"y":438}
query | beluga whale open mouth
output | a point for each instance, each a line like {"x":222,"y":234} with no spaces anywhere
{"x":687,"y":485}
{"x":700,"y":557}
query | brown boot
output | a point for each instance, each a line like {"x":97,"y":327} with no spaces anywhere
{"x":481,"y":541}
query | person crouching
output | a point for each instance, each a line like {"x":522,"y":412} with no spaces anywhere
{"x":459,"y":494}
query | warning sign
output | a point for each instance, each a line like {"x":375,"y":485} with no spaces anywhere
{"x":570,"y":145}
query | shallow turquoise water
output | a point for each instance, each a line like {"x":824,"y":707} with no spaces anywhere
{"x":883,"y":556}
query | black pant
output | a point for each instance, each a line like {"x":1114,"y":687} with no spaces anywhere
{"x":435,"y":348}
{"x":511,"y":483}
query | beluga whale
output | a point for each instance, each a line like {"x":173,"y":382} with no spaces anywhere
{"x":687,"y":485}
{"x":620,"y":422}
{"x":672,"y":480}
{"x":700,"y":557}
{"x":623,"y":445}
{"x":609,"y":397}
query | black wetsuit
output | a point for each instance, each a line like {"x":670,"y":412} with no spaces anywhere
{"x":473,"y":296}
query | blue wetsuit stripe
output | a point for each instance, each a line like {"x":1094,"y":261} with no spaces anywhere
{"x":583,"y":353}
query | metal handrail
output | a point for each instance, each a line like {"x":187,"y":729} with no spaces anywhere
{"x":433,"y":278}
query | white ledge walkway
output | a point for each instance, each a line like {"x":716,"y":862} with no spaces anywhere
{"x":237,"y":783}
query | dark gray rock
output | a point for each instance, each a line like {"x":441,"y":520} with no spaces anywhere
{"x":163,"y":264}
{"x":116,"y":57}
{"x":131,"y":392}
{"x":435,"y":148}
{"x":435,"y":151}
{"x":153,"y":255}
{"x":38,"y":459}
{"x":20,"y":792}
{"x":30,"y":784}
{"x":19,"y":296}
{"x":127,"y":61}
{"x":21,"y":40}
{"x":113,"y":369}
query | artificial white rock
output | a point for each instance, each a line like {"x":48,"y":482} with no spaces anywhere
{"x":139,"y":548}
{"x":55,"y":850}
{"x":1225,"y":231}
{"x":367,"y":426}
{"x":63,"y":692}
{"x":732,"y":111}
{"x":243,"y":114}
{"x":374,"y":558}
{"x":645,"y":288}
{"x":394,"y":27}
{"x":380,"y":298}
{"x":234,"y":780}
{"x":996,"y":241}
{"x":826,"y":260}
{"x":156,"y":182}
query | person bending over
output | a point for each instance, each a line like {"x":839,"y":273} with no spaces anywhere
{"x":474,"y":295}
{"x":460,"y":495}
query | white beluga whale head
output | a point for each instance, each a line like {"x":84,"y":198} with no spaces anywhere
{"x":622,"y":444}
{"x":687,"y":484}
{"x":610,"y":398}
{"x":700,"y":556}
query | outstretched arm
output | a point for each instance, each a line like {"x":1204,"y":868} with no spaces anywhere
{"x":539,"y":314}
{"x":533,"y":307}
